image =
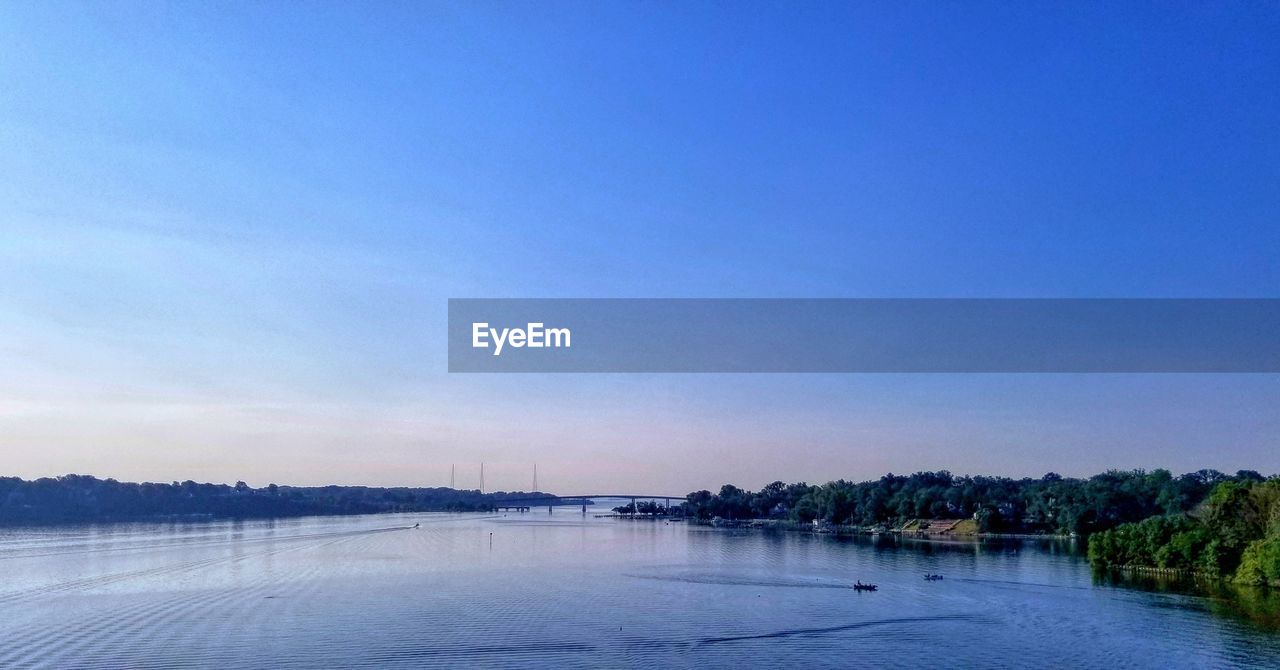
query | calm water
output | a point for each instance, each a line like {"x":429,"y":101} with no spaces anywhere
{"x":567,"y":591}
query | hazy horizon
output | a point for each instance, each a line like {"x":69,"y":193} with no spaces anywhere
{"x":468,"y":479}
{"x":228,"y":234}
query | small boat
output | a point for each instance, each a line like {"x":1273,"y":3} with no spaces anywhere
{"x":416,"y":525}
{"x":859,"y":586}
{"x":932,"y":578}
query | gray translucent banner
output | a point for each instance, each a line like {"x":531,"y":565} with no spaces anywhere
{"x":891,"y":335}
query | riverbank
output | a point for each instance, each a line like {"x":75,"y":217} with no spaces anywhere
{"x":855,"y":530}
{"x":78,"y":499}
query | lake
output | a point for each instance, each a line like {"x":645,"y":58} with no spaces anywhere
{"x":567,"y":590}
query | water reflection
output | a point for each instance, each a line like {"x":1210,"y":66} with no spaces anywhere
{"x":1257,"y":606}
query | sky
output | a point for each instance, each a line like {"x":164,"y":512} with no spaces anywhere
{"x":228,"y":231}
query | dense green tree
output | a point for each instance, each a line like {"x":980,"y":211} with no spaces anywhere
{"x":1260,"y":563}
{"x":1235,"y":533}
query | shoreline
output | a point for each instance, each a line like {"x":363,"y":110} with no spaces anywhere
{"x":841,"y":530}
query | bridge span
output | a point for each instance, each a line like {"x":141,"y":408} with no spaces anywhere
{"x":551,"y":501}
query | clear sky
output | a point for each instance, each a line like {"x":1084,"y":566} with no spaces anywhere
{"x":228,"y":230}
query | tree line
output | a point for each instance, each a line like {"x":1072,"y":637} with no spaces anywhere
{"x":1049,"y":504}
{"x":82,"y":498}
{"x":647,"y":507}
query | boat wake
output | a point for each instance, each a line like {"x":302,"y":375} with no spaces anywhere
{"x":827,"y":630}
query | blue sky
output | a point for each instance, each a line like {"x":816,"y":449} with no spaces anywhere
{"x":227,"y":232}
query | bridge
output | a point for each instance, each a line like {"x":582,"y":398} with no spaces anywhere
{"x":525,"y":504}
